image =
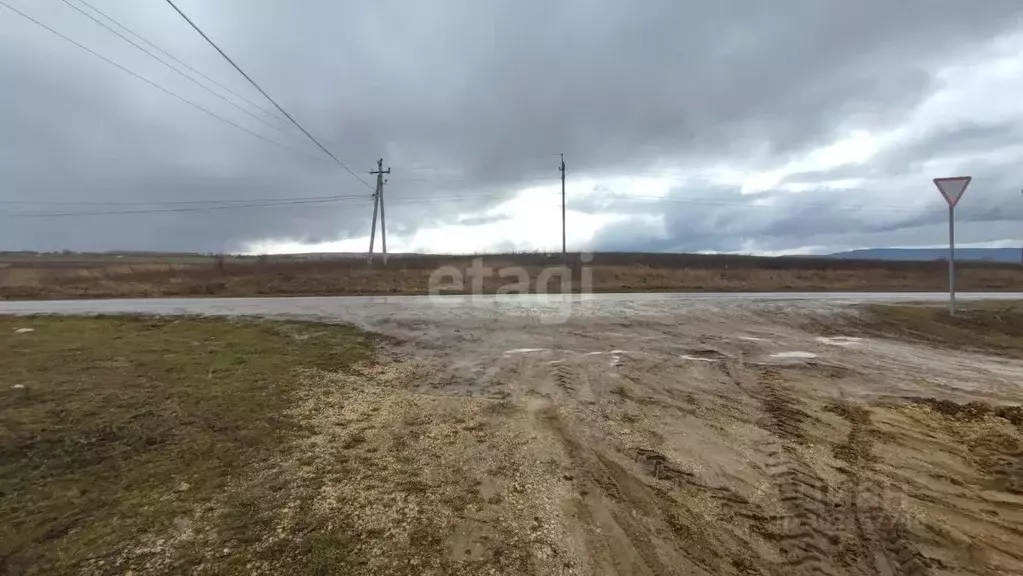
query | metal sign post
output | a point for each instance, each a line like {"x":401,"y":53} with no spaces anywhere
{"x":952,"y":260}
{"x":952,"y":189}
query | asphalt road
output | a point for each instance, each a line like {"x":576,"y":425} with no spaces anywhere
{"x":370,"y":310}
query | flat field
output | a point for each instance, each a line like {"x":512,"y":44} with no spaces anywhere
{"x":49,"y":276}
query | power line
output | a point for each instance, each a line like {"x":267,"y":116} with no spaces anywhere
{"x":263,"y":92}
{"x":179,"y":61}
{"x":609,"y":194}
{"x":453,"y":177}
{"x":146,"y":80}
{"x":165,"y":210}
{"x":174,"y":202}
{"x":352,"y":200}
{"x":228,"y":202}
{"x":182,"y":74}
{"x":469,"y":198}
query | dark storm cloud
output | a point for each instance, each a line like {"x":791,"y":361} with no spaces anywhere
{"x":952,"y":141}
{"x":481,"y":95}
{"x":723,"y":219}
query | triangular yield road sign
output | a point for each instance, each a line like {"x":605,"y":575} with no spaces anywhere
{"x":952,"y":188}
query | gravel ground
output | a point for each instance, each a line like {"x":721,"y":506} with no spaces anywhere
{"x":657,"y":434}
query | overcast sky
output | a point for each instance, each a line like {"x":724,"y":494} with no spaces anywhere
{"x":763,"y":127}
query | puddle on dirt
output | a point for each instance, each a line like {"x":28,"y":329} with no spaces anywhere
{"x":705,"y":355}
{"x":523,"y":351}
{"x":840,"y":340}
{"x":795,"y":354}
{"x":699,"y":358}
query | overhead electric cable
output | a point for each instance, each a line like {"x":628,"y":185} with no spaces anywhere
{"x":263,"y":92}
{"x":163,"y":210}
{"x":174,"y":202}
{"x":179,"y":61}
{"x":182,"y":74}
{"x":146,"y":80}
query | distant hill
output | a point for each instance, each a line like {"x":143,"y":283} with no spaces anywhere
{"x":919,"y":254}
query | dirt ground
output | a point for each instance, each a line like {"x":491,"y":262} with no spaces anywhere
{"x":742,"y":437}
{"x":746,"y":441}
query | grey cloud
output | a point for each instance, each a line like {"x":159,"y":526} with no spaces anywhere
{"x":723,"y":219}
{"x":957,"y":140}
{"x":487,"y":90}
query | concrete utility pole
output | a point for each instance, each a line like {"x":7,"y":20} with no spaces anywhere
{"x":373,"y":226}
{"x":564,"y":252}
{"x":383,"y":222}
{"x":378,"y":202}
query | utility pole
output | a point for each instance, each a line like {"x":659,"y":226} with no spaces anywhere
{"x":373,"y":226}
{"x":564,"y":252}
{"x":378,"y":202}
{"x":383,"y":222}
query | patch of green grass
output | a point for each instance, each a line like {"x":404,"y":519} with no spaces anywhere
{"x":329,"y":555}
{"x":992,"y":326}
{"x":112,"y":427}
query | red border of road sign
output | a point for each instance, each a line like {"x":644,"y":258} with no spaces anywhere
{"x":965,"y":186}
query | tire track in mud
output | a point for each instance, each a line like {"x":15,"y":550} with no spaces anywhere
{"x":786,"y":418}
{"x":852,"y":523}
{"x":564,"y":377}
{"x":556,"y":381}
{"x":804,"y":532}
{"x":617,"y":539}
{"x":636,"y":527}
{"x":731,"y":503}
{"x":811,"y":526}
{"x":882,"y":545}
{"x":855,"y":452}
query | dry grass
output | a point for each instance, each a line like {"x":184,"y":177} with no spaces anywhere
{"x":98,"y":277}
{"x":149,"y":444}
{"x":199,"y":446}
{"x":984,"y":326}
